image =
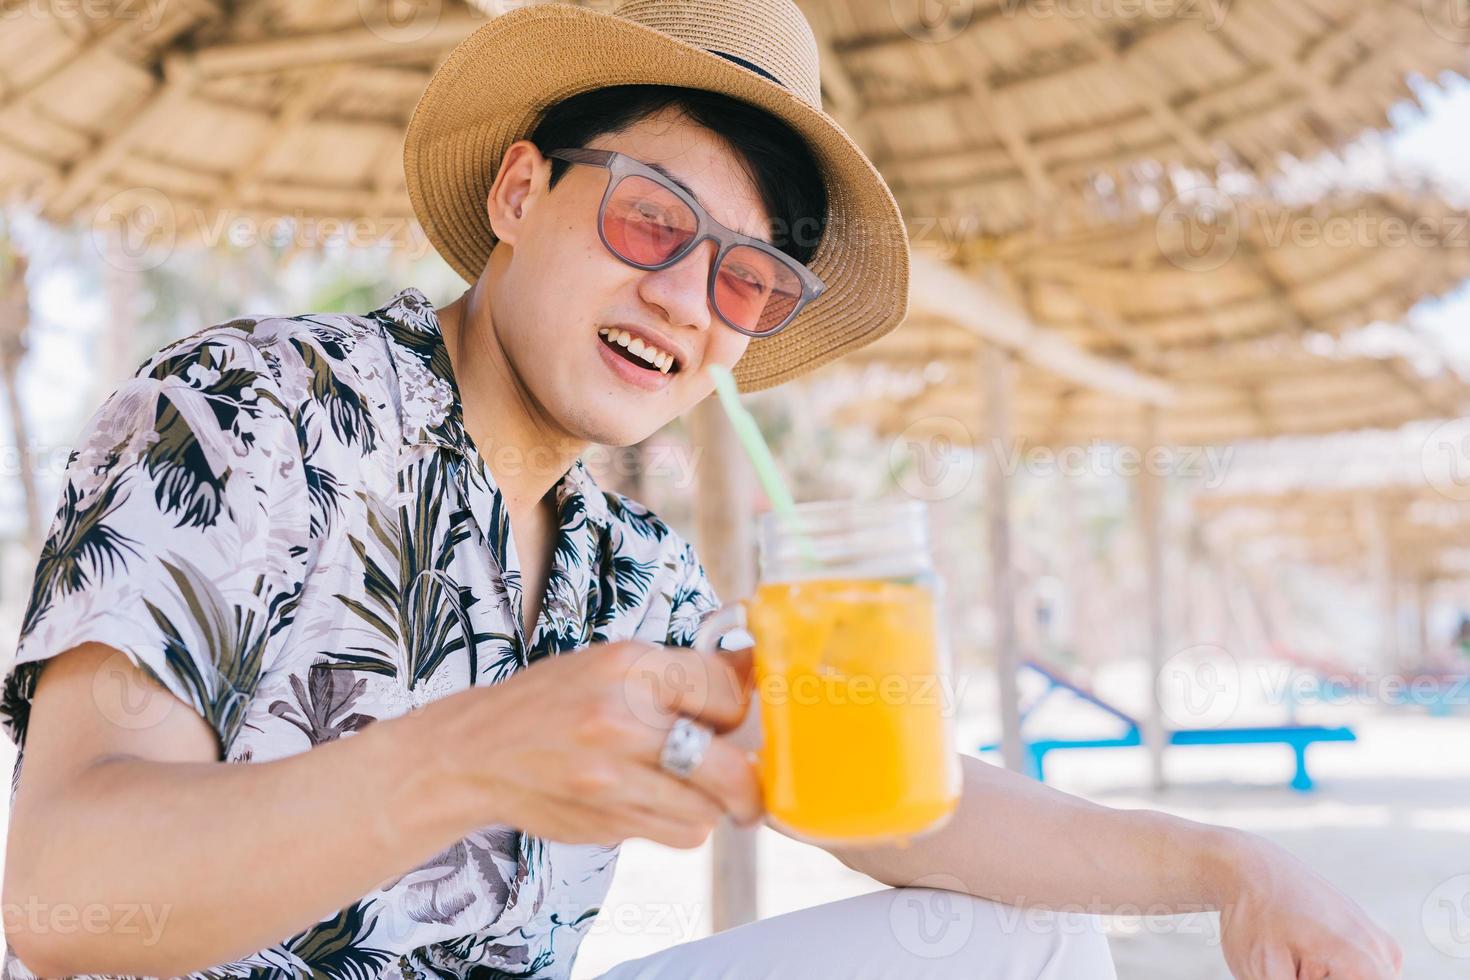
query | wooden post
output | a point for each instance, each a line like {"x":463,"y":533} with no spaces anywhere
{"x":14,"y":319}
{"x":1423,"y":601}
{"x":1372,"y":523}
{"x":722,"y":511}
{"x":1150,"y":519}
{"x":996,"y":380}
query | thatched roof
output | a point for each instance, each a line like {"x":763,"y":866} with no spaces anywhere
{"x":1217,"y":400}
{"x":258,"y":109}
{"x":1215,"y":272}
{"x":272,"y":108}
{"x":1011,"y":111}
{"x":1423,"y":533}
{"x":1243,"y":335}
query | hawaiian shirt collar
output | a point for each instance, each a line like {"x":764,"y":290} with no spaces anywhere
{"x":430,"y":397}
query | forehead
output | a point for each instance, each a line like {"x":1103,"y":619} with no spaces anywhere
{"x":701,"y":163}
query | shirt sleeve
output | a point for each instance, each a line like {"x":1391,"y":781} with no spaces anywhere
{"x":181,"y":533}
{"x":692,"y":598}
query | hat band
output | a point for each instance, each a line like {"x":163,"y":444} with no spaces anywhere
{"x":745,"y":64}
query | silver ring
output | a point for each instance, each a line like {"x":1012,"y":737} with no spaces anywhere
{"x":684,"y":747}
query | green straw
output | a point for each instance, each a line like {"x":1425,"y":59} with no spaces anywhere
{"x":749,"y":434}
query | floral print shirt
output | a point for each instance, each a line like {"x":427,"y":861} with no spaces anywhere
{"x":283,"y":521}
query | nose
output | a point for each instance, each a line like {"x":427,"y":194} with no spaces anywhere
{"x":682,"y":289}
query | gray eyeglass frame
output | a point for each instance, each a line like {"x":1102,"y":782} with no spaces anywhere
{"x":620,"y":165}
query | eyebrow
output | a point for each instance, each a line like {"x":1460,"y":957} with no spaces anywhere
{"x":686,"y":189}
{"x":676,"y":181}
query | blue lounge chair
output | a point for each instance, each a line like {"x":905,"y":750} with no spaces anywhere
{"x":1297,"y":736}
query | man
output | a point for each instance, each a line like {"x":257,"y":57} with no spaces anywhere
{"x":361,"y":554}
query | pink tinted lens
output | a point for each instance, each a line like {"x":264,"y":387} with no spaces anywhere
{"x":645,"y":223}
{"x":755,"y":290}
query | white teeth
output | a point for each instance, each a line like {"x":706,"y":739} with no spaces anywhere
{"x":662,"y":360}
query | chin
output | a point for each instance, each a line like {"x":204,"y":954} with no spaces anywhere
{"x":600,"y":429}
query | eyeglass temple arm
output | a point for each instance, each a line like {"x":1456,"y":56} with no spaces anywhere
{"x":582,"y":154}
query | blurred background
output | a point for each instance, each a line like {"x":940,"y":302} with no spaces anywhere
{"x":1184,"y":381}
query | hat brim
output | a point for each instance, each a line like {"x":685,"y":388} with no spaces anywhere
{"x":494,"y":87}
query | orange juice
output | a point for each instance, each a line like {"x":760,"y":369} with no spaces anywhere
{"x":859,"y":744}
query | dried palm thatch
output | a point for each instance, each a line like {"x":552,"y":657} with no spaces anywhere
{"x":1005,"y":113}
{"x":203,"y":112}
{"x":1215,"y":273}
{"x":1218,"y":399}
{"x":1423,"y":533}
{"x":1242,"y":329}
{"x":1009,"y":113}
{"x":1401,"y":496}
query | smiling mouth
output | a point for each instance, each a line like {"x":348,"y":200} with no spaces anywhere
{"x":635,"y":351}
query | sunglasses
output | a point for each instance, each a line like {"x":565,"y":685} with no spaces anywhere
{"x":651,"y":223}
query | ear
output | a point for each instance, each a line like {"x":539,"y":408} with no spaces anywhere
{"x":519,"y":183}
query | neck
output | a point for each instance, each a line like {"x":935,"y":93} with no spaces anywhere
{"x":523,"y":452}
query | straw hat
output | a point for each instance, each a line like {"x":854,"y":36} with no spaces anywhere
{"x":494,"y":86}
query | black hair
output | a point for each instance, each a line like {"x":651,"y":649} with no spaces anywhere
{"x":781,"y":164}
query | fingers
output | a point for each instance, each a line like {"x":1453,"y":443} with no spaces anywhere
{"x":727,"y":775}
{"x":1280,"y":964}
{"x":713,"y":688}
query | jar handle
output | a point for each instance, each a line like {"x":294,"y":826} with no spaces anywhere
{"x":717,"y":623}
{"x":715,"y":626}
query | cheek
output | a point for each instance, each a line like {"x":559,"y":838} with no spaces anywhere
{"x":725,"y":346}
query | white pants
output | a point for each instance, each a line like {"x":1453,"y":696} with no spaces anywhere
{"x":900,"y":933}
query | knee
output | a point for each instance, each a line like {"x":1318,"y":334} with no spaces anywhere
{"x":950,"y":930}
{"x":1078,"y":948}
